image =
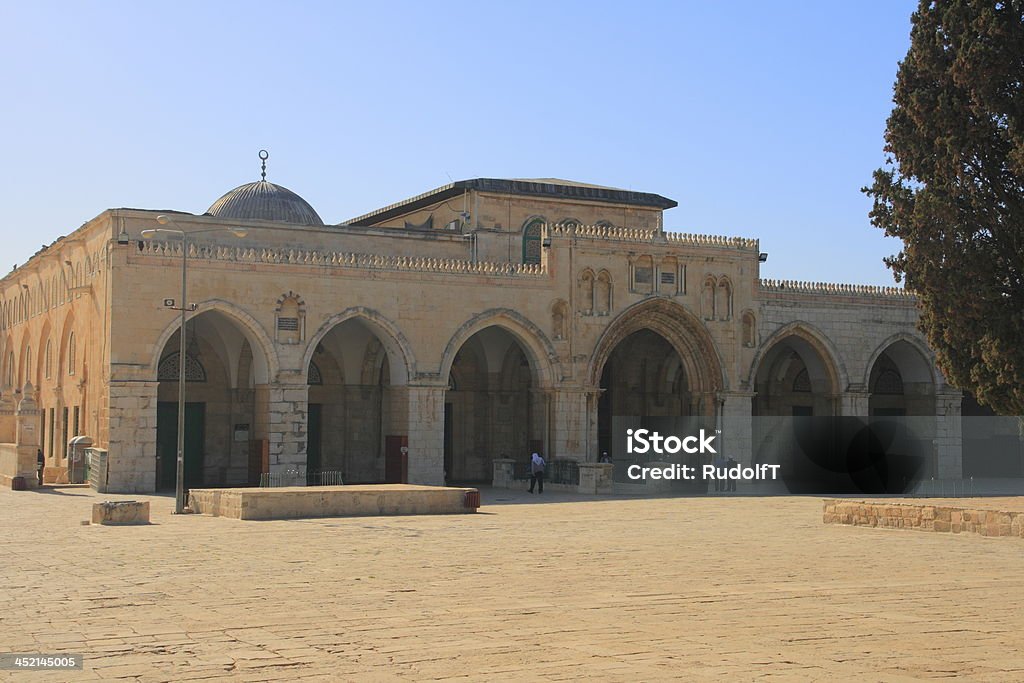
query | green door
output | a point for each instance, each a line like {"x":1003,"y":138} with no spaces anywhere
{"x":167,"y":444}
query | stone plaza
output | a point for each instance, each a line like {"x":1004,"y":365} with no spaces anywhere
{"x":558,"y":588}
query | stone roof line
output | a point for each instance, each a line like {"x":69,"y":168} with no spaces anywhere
{"x":316,"y":257}
{"x":802,"y":287}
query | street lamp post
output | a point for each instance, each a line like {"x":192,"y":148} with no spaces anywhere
{"x":183,"y":306}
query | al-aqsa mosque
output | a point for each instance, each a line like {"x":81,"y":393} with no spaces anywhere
{"x":420,"y":341}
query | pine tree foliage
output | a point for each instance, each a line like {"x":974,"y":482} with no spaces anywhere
{"x":953,"y":191}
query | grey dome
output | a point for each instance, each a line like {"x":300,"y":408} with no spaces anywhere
{"x":265,"y":201}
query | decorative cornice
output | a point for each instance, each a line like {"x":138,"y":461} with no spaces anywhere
{"x":338,"y":259}
{"x":836,"y":289}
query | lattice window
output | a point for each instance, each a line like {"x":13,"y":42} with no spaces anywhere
{"x":802,"y":382}
{"x":889,"y":382}
{"x":315,"y":378}
{"x":532,"y":242}
{"x":169,"y":369}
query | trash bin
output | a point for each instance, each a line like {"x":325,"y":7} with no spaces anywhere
{"x":18,"y":484}
{"x":77,"y":465}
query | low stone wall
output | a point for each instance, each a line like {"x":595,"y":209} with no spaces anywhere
{"x":297,"y":502}
{"x":8,"y":463}
{"x":924,"y":517}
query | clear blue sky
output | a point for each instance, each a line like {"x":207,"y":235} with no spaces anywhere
{"x":762,"y":119}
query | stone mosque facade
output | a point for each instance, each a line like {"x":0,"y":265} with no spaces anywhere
{"x":419,"y":342}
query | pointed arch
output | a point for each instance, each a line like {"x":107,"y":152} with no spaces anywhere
{"x":265,"y":361}
{"x":539,"y":349}
{"x":817,"y":340}
{"x":702,"y":363}
{"x":925,"y":362}
{"x":401,"y":360}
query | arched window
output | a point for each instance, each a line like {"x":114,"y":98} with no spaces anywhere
{"x":169,"y":369}
{"x":48,"y":360}
{"x":10,"y":369}
{"x":71,"y":354}
{"x":889,"y":382}
{"x":532,"y":241}
{"x":28,"y":364}
{"x":802,"y":382}
{"x":315,"y":378}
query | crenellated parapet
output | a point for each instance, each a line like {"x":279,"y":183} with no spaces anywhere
{"x":338,"y":259}
{"x":640,"y":235}
{"x":836,"y":289}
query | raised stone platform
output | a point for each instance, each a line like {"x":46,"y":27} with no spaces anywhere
{"x":368,"y":500}
{"x":984,"y":516}
{"x":117,"y":512}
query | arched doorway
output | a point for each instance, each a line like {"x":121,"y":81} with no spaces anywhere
{"x":492,"y":406}
{"x":655,"y":360}
{"x":900,"y":382}
{"x":221,"y":416}
{"x":354,"y":406}
{"x":796,"y":377}
{"x":644,"y":377}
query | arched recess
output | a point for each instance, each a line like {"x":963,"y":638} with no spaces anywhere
{"x":8,"y":366}
{"x":585,"y":292}
{"x":538,"y":348}
{"x":24,"y":359}
{"x":776,"y":374}
{"x":228,"y":364}
{"x":265,"y":362}
{"x":680,"y":328}
{"x":355,"y":367}
{"x":901,"y":378}
{"x":44,"y":362}
{"x":492,"y":406}
{"x":399,"y":351}
{"x":655,"y":360}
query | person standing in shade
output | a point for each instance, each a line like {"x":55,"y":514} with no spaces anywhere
{"x":39,"y":465}
{"x":537,"y":472}
{"x":605,"y":458}
{"x":731,"y":484}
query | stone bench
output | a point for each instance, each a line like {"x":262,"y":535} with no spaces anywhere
{"x":115,"y":512}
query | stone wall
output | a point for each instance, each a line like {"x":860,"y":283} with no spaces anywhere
{"x":924,"y":517}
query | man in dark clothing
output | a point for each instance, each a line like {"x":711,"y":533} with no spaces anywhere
{"x":730,"y":463}
{"x":39,"y":465}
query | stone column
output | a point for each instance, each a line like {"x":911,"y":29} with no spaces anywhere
{"x":569,"y":425}
{"x":948,"y":436}
{"x":131,"y":459}
{"x":426,"y":434}
{"x":854,"y":403}
{"x":737,"y":438}
{"x":27,"y":437}
{"x":592,"y":395}
{"x":287,"y":406}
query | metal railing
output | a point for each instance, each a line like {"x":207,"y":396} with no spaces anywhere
{"x":556,"y":472}
{"x":300,"y":477}
{"x":943,"y":488}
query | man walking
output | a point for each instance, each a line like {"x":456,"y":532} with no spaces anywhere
{"x":537,"y":472}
